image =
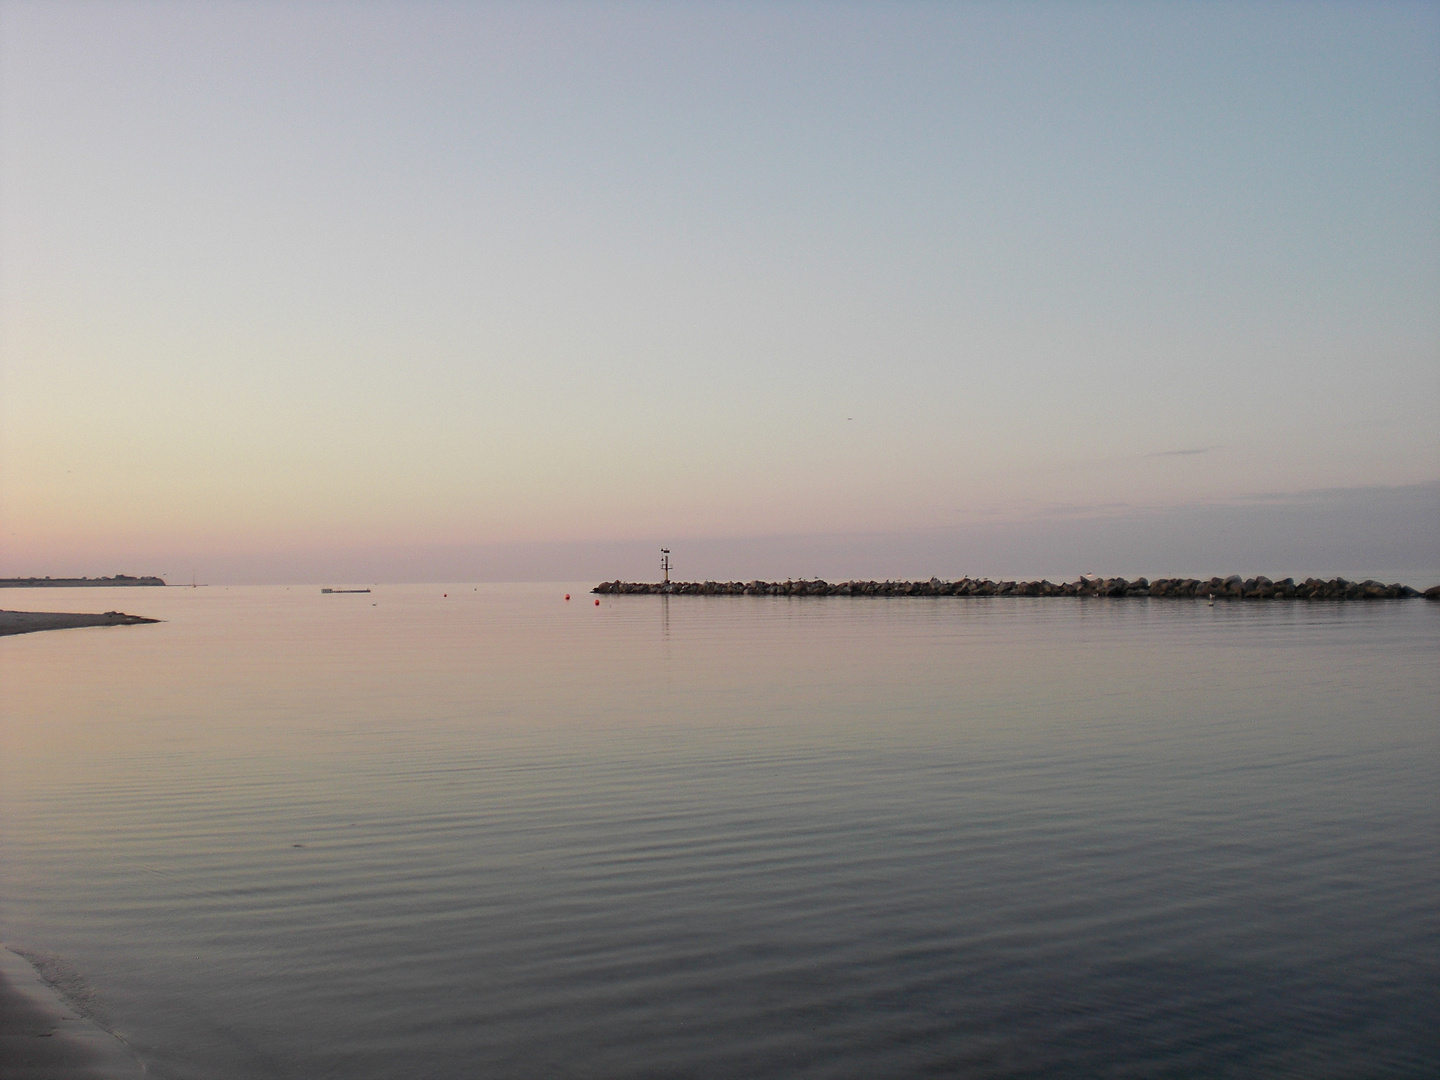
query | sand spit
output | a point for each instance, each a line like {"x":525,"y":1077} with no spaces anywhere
{"x":1231,"y":588}
{"x":41,"y":1038}
{"x":25,"y":622}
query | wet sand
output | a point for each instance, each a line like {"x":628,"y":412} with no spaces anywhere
{"x":41,"y":1038}
{"x":25,"y":622}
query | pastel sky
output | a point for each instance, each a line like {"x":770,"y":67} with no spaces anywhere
{"x":281,"y":283}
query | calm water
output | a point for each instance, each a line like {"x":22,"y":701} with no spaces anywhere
{"x":498,"y":835}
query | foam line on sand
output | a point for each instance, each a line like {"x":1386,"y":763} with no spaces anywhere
{"x":42,"y":1038}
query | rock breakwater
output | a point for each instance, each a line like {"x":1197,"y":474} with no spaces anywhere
{"x":1231,"y":588}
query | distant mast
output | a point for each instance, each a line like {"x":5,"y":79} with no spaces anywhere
{"x":665,"y":566}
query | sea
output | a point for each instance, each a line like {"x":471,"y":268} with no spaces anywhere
{"x":478,"y":830}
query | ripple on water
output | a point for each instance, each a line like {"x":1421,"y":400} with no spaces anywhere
{"x":736,"y":838}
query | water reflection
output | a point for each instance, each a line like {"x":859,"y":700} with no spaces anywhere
{"x":835,"y":838}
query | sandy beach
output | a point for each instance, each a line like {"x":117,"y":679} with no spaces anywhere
{"x":26,"y":622}
{"x":41,"y":1037}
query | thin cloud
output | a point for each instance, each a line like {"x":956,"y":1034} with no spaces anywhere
{"x":1183,"y":453}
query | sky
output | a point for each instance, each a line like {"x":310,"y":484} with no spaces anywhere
{"x":431,"y":291}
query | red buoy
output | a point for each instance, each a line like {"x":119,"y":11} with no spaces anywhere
{"x":597,"y":603}
{"x":567,"y":596}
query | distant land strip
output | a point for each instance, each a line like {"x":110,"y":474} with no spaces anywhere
{"x":27,"y":622}
{"x":76,"y":582}
{"x":1231,"y":588}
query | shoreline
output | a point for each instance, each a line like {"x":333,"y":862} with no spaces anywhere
{"x":42,"y":1038}
{"x":1231,"y":588}
{"x":118,"y":581}
{"x":28,"y":622}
